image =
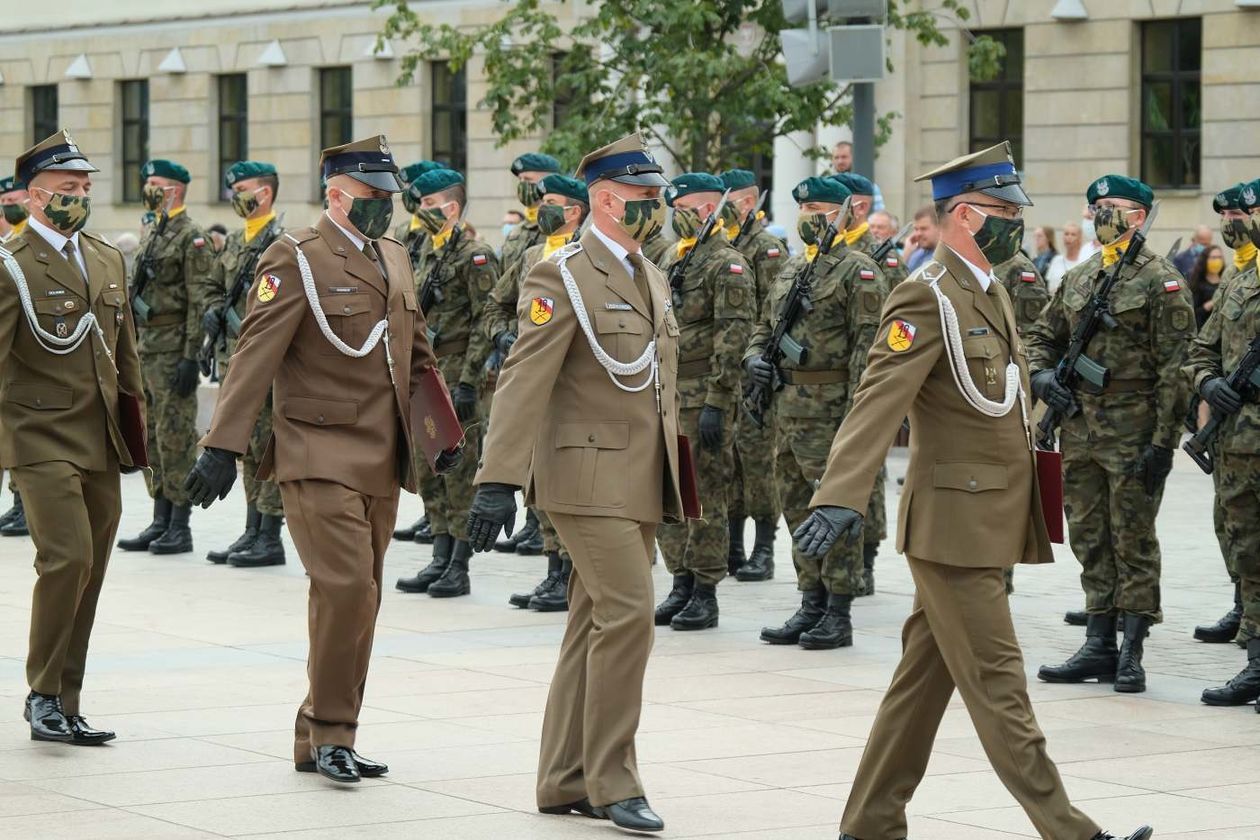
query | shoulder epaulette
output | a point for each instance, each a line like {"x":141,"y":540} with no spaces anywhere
{"x":100,"y":240}
{"x":301,"y":235}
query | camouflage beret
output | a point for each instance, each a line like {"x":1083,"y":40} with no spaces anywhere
{"x":412,"y":171}
{"x":535,"y":162}
{"x":243,"y":170}
{"x":739,"y":179}
{"x":827,"y":190}
{"x":165,"y":169}
{"x":10,"y":183}
{"x":855,"y":183}
{"x":1120,"y":186}
{"x":434,"y":181}
{"x":692,"y":182}
{"x":566,"y":186}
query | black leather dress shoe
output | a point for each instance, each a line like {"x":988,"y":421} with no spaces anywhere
{"x":851,"y":837}
{"x":86,"y":736}
{"x":48,"y":721}
{"x":1143,"y":833}
{"x":368,"y":768}
{"x":337,"y":763}
{"x":582,"y":807}
{"x":634,"y":814}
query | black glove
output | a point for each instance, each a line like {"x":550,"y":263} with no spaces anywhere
{"x":492,"y":508}
{"x":447,"y":460}
{"x":759,"y":371}
{"x":211,"y":477}
{"x":212,"y":324}
{"x":711,"y":427}
{"x":504,"y":341}
{"x":1048,"y":389}
{"x":825,"y":525}
{"x":464,"y":398}
{"x":1152,"y":467}
{"x":186,"y":377}
{"x":1223,"y":399}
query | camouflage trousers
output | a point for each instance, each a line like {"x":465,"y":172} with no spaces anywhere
{"x":1111,"y":526}
{"x":263,"y":494}
{"x":1218,"y":523}
{"x":752,"y":487}
{"x":172,"y":428}
{"x":447,"y":498}
{"x":700,"y":546}
{"x":1238,"y":494}
{"x":875,"y":525}
{"x":800,"y":461}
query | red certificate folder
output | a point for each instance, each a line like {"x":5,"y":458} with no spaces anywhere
{"x":687,"y":480}
{"x":1050,"y":483}
{"x":434,"y":426}
{"x":131,"y":423}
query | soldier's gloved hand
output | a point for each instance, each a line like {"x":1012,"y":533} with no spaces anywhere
{"x":1152,"y":467}
{"x":447,"y":460}
{"x":1223,"y":399}
{"x":212,"y":324}
{"x":211,"y":477}
{"x":464,"y":398}
{"x":825,"y":525}
{"x":185,"y":380}
{"x":492,"y":509}
{"x":759,"y":371}
{"x":504,"y":341}
{"x":1048,"y":389}
{"x":711,"y":427}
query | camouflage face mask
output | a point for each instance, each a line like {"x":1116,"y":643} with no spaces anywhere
{"x":686,"y":222}
{"x":528,"y":193}
{"x":244,"y":203}
{"x":1235,"y":233}
{"x":15,"y":214}
{"x":1253,"y":228}
{"x":409,"y":202}
{"x":431,"y":219}
{"x":643,"y":218}
{"x":68,"y":213}
{"x":1111,"y":223}
{"x":550,"y":218}
{"x":731,"y":216}
{"x":998,"y":239}
{"x":371,"y":216}
{"x":153,"y":196}
{"x":811,"y":226}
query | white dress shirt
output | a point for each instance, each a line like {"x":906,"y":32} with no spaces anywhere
{"x":622,"y":255}
{"x":354,"y":238}
{"x":984,"y":277}
{"x":58,"y":241}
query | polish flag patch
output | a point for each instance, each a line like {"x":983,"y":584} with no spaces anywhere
{"x":736,"y":268}
{"x":773,"y":253}
{"x":1172,"y":285}
{"x":480,"y":259}
{"x":1028,"y":277}
{"x":199,"y":242}
{"x":866,"y":274}
{"x":891,"y":262}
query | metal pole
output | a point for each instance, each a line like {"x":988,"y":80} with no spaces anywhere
{"x":864,"y":129}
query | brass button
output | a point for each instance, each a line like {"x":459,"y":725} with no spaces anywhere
{"x":69,"y":304}
{"x":972,"y":485}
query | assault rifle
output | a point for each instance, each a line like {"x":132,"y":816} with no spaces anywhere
{"x":1174,"y":250}
{"x":145,"y":271}
{"x":746,"y":227}
{"x":431,"y":288}
{"x":223,"y":318}
{"x":1245,"y":380}
{"x":1076,"y":367}
{"x":678,"y":270}
{"x":888,"y":244}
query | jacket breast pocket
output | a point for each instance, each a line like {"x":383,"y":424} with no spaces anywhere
{"x":987,"y":365}
{"x":697,"y":299}
{"x":349,"y":316}
{"x":40,"y":397}
{"x":1131,"y":308}
{"x":111,"y":313}
{"x":59,"y":315}
{"x":622,"y":334}
{"x":969,"y":477}
{"x":590,"y":462}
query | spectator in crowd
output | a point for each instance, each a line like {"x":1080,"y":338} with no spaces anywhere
{"x":883,"y":224}
{"x":922,"y":240}
{"x":1089,"y":236}
{"x":842,"y":161}
{"x":1075,"y":252}
{"x":1205,"y":278}
{"x":1187,"y":259}
{"x":128,"y":243}
{"x":218,"y":236}
{"x":1043,"y":244}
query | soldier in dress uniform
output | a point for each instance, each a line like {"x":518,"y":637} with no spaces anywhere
{"x":168,"y":315}
{"x":67,"y":352}
{"x":970,"y":507}
{"x":586,"y":421}
{"x":529,"y":169}
{"x":13,"y":216}
{"x":341,"y":440}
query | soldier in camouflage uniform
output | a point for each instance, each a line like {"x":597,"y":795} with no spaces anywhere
{"x":168,"y":308}
{"x":456,"y":275}
{"x":529,"y":170}
{"x":848,"y":293}
{"x":752,"y":490}
{"x":657,"y":248}
{"x":713,"y":301}
{"x":1231,"y":328}
{"x":1117,"y":451}
{"x":254,"y":187}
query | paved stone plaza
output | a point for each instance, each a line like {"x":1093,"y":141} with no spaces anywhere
{"x":200,"y":669}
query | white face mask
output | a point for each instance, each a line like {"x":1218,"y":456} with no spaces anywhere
{"x":1087,"y":230}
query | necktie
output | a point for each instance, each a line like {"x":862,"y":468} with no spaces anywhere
{"x":369,"y":250}
{"x":68,"y":250}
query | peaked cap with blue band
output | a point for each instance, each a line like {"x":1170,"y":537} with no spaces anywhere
{"x":368,"y":160}
{"x":990,"y":171}
{"x":56,"y":152}
{"x":625,"y":161}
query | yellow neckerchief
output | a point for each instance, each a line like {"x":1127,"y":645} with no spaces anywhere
{"x":811,"y":251}
{"x":852,"y":236}
{"x":531,"y":215}
{"x":440,"y":239}
{"x":554,"y":243}
{"x":1112,"y":252}
{"x":1244,"y":255}
{"x":253,"y":227}
{"x":732,"y":231}
{"x":170,"y":214}
{"x":21,"y":226}
{"x":684,"y":245}
{"x":414,"y":224}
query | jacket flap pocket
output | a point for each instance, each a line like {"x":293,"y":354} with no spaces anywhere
{"x":409,"y":299}
{"x":41,"y":397}
{"x":607,"y":323}
{"x":984,"y":347}
{"x":1127,"y":299}
{"x":974,"y":478}
{"x":613,"y":435}
{"x":112,"y":298}
{"x":61,"y":305}
{"x":345,"y":304}
{"x":321,"y":412}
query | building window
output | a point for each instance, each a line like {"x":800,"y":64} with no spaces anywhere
{"x":450,"y":116}
{"x":1172,"y":115}
{"x":336,"y":107}
{"x":997,"y":104}
{"x":134,"y":96}
{"x":233,"y":126}
{"x":43,"y":112}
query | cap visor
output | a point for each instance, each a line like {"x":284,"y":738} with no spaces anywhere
{"x":1013,"y":193}
{"x":643,"y":179}
{"x":387,"y":181}
{"x":79,"y":165}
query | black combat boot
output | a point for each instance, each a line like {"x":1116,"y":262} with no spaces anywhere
{"x":834,"y":629}
{"x":424,"y":533}
{"x":1130,"y":675}
{"x":508,"y":545}
{"x":813,"y":602}
{"x":735,"y":544}
{"x":532,"y":545}
{"x":1095,"y":660}
{"x":760,"y":564}
{"x":155,"y":529}
{"x":1243,"y":688}
{"x":408,"y":534}
{"x":1226,"y":628}
{"x":8,"y":515}
{"x":419,"y":582}
{"x":267,"y":550}
{"x":454,"y":580}
{"x":1143,"y":833}
{"x":15,"y":522}
{"x":243,"y":542}
{"x":676,"y":599}
{"x":1076,"y":618}
{"x":521,"y":599}
{"x":555,"y":598}
{"x":869,"y":550}
{"x":177,"y":538}
{"x":701,"y":611}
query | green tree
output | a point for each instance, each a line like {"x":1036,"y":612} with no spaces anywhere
{"x":702,"y":77}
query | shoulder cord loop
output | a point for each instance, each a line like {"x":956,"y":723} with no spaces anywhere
{"x":52,"y":343}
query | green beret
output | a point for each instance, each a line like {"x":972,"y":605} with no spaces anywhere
{"x":9,"y":183}
{"x":243,"y":170}
{"x":412,"y":171}
{"x":535,"y":162}
{"x":165,"y":169}
{"x":739,"y":179}
{"x":855,"y":183}
{"x":1249,"y":195}
{"x":566,"y":186}
{"x":692,"y":182}
{"x":1229,"y":198}
{"x":1120,"y":186}
{"x":434,"y":181}
{"x":827,"y":190}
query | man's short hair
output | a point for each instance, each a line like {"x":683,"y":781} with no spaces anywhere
{"x":456,"y":192}
{"x":272,"y":181}
{"x":842,"y":143}
{"x":931,"y":211}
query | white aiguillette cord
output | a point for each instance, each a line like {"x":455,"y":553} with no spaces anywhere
{"x":52,"y":343}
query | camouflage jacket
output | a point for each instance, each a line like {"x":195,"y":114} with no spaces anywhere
{"x":414,"y":239}
{"x":893,"y":268}
{"x":177,"y":295}
{"x":523,"y":237}
{"x":1028,"y":289}
{"x":714,"y":320}
{"x":465,"y":278}
{"x":1148,"y":396}
{"x":848,"y":294}
{"x":767,"y":256}
{"x":226,"y":272}
{"x":500,"y":313}
{"x":658,"y":249}
{"x":1220,"y":346}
